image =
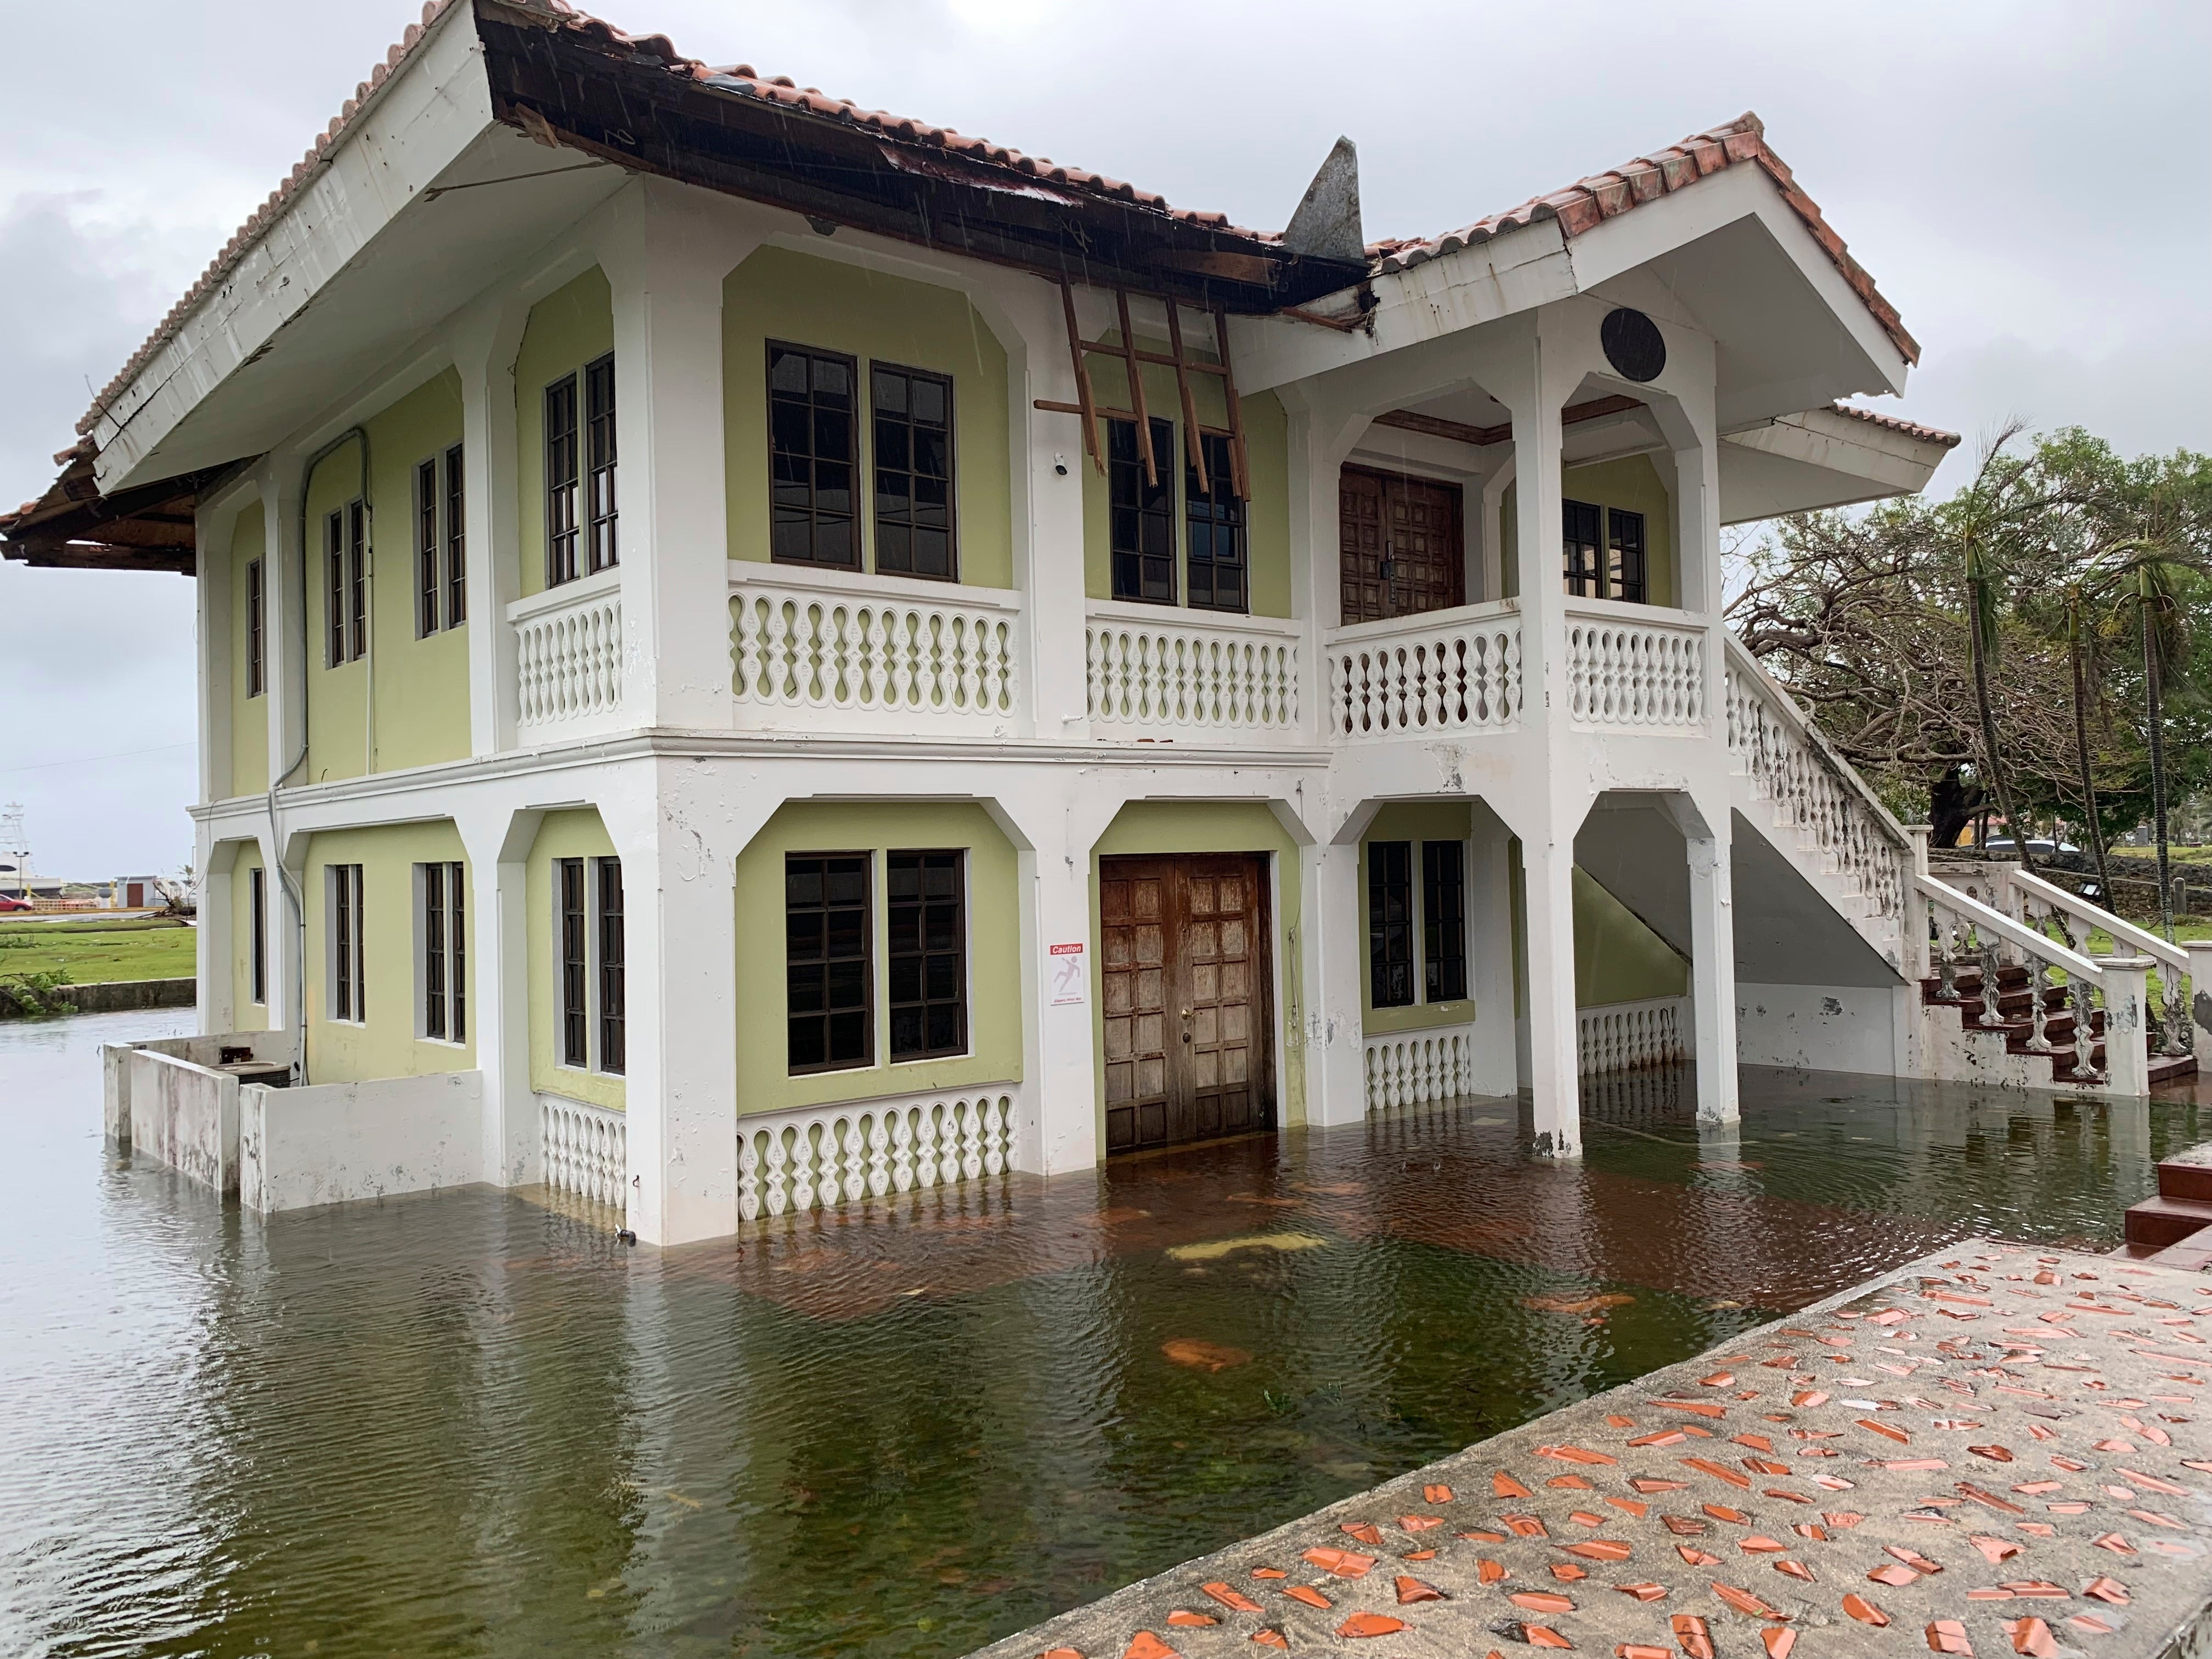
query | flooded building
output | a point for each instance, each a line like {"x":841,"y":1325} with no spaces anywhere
{"x":755,"y":650}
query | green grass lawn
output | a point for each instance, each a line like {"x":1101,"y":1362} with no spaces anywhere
{"x":93,"y":952}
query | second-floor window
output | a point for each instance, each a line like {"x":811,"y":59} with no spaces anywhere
{"x":443,"y":929}
{"x":1214,"y":527}
{"x":913,"y":426}
{"x":562,"y":467}
{"x":580,"y":473}
{"x":1602,"y":553}
{"x":1141,"y":513}
{"x":257,"y":610}
{"x":600,"y":550}
{"x":441,"y":571}
{"x":457,"y":558}
{"x":1624,"y":566}
{"x":346,"y":555}
{"x":813,"y":457}
{"x":1581,"y":549}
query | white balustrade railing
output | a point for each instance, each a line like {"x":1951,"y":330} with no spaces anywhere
{"x":1812,"y":789}
{"x":793,"y":1162}
{"x":932,"y":657}
{"x":1631,"y":667}
{"x":1152,"y":666}
{"x":1414,"y":1068}
{"x":586,"y":1149}
{"x":1626,"y":1037}
{"x":1445,"y":671}
{"x":568,"y":655}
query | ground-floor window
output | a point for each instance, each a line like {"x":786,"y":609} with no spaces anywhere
{"x":441,"y":928}
{"x":831,"y":986}
{"x":826,"y":936}
{"x":1390,"y":923}
{"x":928,"y":955}
{"x":1408,"y":964}
{"x":257,"y":941}
{"x":613,"y":987}
{"x":1443,"y":920}
{"x":594,"y":999}
{"x":349,"y":969}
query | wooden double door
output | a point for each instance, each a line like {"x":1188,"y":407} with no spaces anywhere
{"x":1399,"y":545}
{"x":1186,"y":981}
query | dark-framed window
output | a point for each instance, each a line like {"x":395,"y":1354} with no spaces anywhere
{"x":563,"y":460}
{"x":1141,"y":514}
{"x":912,"y":412}
{"x":345,"y":535}
{"x":457,"y":556}
{"x":457,"y":950}
{"x":1625,"y":563}
{"x":428,"y":582}
{"x":575,"y":965}
{"x":826,"y":961}
{"x":1443,"y":920}
{"x":257,"y":943}
{"x":1390,"y":923}
{"x":1214,"y":527}
{"x":257,"y":612}
{"x":613,"y":987}
{"x":445,"y":953}
{"x":926,"y":904}
{"x":601,"y":551}
{"x":1582,"y":553}
{"x":813,"y":457}
{"x":349,"y":957}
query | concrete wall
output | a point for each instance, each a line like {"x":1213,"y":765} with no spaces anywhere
{"x":185,"y":1116}
{"x":1819,"y":1028}
{"x":271,"y":1048}
{"x":337,"y":1142}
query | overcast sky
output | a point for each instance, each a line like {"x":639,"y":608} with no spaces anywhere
{"x":2027,"y":183}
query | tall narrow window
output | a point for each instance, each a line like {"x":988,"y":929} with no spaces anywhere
{"x":427,"y":586}
{"x":562,"y":467}
{"x":435,"y":983}
{"x":913,"y":415}
{"x":357,"y":575}
{"x":813,"y":452}
{"x":1443,"y":920}
{"x":1581,"y":553}
{"x":825,"y":923}
{"x":1624,"y":577}
{"x":601,"y":552}
{"x":457,"y":557}
{"x":334,"y":599}
{"x":1214,"y":523}
{"x":575,"y":966}
{"x":1390,"y":923}
{"x":1141,"y":514}
{"x":612,"y":987}
{"x":349,"y":957}
{"x":256,"y":942}
{"x":457,"y":951}
{"x":928,"y":954}
{"x":257,"y":609}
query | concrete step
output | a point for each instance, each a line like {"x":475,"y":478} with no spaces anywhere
{"x":2171,"y":1068}
{"x":2159,"y":1222}
{"x":2188,"y":1174}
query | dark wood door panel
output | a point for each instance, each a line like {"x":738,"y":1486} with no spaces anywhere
{"x":1400,"y":548}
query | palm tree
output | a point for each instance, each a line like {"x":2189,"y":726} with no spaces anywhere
{"x":1985,"y":515}
{"x":2150,"y":575}
{"x":2078,"y":595}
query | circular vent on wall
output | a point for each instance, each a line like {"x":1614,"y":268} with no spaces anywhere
{"x":1633,"y":344}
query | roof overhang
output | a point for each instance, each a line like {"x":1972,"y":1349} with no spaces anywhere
{"x":1824,"y":458}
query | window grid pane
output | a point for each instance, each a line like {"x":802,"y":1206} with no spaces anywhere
{"x":357,"y":578}
{"x":1580,"y":552}
{"x":456,"y":952}
{"x":1390,"y":923}
{"x":1625,"y":562}
{"x":1215,"y":521}
{"x":612,"y":986}
{"x":601,"y":552}
{"x":425,"y":548}
{"x":562,"y":461}
{"x":335,"y":599}
{"x":575,"y":1029}
{"x":255,"y":630}
{"x":258,"y":896}
{"x":434,"y":951}
{"x":1443,"y":920}
{"x":827,"y":1001}
{"x":457,"y":558}
{"x":913,"y":422}
{"x":926,"y":912}
{"x":1141,"y":515}
{"x":813,"y":457}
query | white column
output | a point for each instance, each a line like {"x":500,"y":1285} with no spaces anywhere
{"x":2127,"y":1024}
{"x":484,"y":355}
{"x":1058,"y":471}
{"x":215,"y":653}
{"x":1548,"y":890}
{"x":1336,"y":1055}
{"x":287,"y":659}
{"x":1712,"y":974}
{"x":215,"y":946}
{"x":2200,"y":999}
{"x":497,"y":845}
{"x":1490,"y":956}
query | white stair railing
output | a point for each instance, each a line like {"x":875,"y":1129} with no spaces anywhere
{"x":794,"y":1162}
{"x":2071,"y":911}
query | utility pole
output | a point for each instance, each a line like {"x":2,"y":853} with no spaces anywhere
{"x":15,"y":840}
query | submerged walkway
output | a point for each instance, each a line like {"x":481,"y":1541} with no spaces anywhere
{"x":1992,"y":1450}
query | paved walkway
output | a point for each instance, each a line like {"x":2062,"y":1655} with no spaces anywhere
{"x":1992,"y":1450}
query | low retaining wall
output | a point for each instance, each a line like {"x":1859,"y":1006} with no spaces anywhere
{"x":181,"y":1115}
{"x":1819,"y":1028}
{"x":118,"y":998}
{"x":335,"y":1142}
{"x":195,"y":1054}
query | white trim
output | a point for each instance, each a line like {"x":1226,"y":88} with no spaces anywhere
{"x":867,"y":584}
{"x":566,"y":594}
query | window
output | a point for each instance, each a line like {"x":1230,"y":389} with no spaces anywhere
{"x":1584,"y":573}
{"x":1390,"y":923}
{"x":575,"y":968}
{"x":813,"y":449}
{"x":928,"y":954}
{"x":1215,"y":520}
{"x":1624,"y":578}
{"x":457,"y":557}
{"x":344,"y":538}
{"x":445,"y":967}
{"x":913,"y":415}
{"x":1443,"y":920}
{"x":1141,"y":513}
{"x":257,"y":938}
{"x":826,"y":961}
{"x":428,"y":587}
{"x":349,"y":959}
{"x":257,"y":609}
{"x":612,"y":987}
{"x":600,"y":550}
{"x":561,"y":473}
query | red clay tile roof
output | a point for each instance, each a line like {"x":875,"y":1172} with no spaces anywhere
{"x":1927,"y":434}
{"x":1604,"y":195}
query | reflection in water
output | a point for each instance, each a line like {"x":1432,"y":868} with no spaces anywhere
{"x":473,"y":1425}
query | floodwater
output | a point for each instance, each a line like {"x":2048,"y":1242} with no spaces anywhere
{"x":472,"y":1424}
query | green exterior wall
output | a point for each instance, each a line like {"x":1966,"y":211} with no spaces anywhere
{"x":994,"y":980}
{"x":249,"y":716}
{"x":800,"y":299}
{"x":245,"y":1014}
{"x":1173,"y":826}
{"x":1617,"y":957}
{"x":1266,"y":459}
{"x":385,"y":1044}
{"x":1633,"y":484}
{"x":574,"y":835}
{"x":1416,"y":822}
{"x":570,"y":327}
{"x":419,"y":686}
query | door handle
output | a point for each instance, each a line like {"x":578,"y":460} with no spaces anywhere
{"x":1185,"y":1026}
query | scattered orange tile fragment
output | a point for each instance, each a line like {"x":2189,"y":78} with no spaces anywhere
{"x":1272,"y":1637}
{"x":1234,"y":1600}
{"x":1995,"y":1454}
{"x":1344,"y":1564}
{"x":1419,"y":1522}
{"x":1307,"y":1593}
{"x":1638,"y":1650}
{"x":1436,"y":1494}
{"x":1864,"y":1610}
{"x":1366,"y":1531}
{"x":1567,"y":1572}
{"x":1779,"y":1639}
{"x":1600,"y":1549}
{"x":1912,"y":1558}
{"x":1503,"y":1485}
{"x":1722,"y":1512}
{"x":1631,"y":1505}
{"x":1528,"y":1526}
{"x":1898,"y":1435}
{"x":1543,"y":1635}
{"x":1575,"y":1454}
{"x":1700,"y":1408}
{"x":1145,"y":1645}
{"x":1189,"y":1621}
{"x":1269,"y":1572}
{"x":1584,"y":1518}
{"x":1411,"y":1590}
{"x":2107,"y":1589}
{"x":1370,"y":1624}
{"x":1756,"y":1545}
{"x":1994,"y":1550}
{"x":1570,"y":1483}
{"x":1542,"y":1601}
{"x":1895,"y":1574}
{"x":1949,"y":1636}
{"x":1796,"y":1570}
{"x":1691,"y":1636}
{"x":1062,"y":1653}
{"x":1718,"y":1470}
{"x":1646,"y":1592}
{"x":1744,"y":1601}
{"x":1645,"y":1483}
{"x":1489,"y":1572}
{"x":1697,"y":1557}
{"x":1841,"y":1520}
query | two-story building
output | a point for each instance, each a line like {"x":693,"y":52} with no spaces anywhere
{"x":807,"y":654}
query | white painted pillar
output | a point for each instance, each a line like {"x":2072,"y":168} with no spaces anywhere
{"x":1712,"y":974}
{"x":2127,"y":1024}
{"x":214,"y":946}
{"x":1336,"y":1057}
{"x":1548,"y":890}
{"x":2200,"y":998}
{"x":289,"y":660}
{"x":1067,"y":1084}
{"x":1490,"y":956}
{"x":484,"y":355}
{"x":1051,"y":572}
{"x":496,"y":844}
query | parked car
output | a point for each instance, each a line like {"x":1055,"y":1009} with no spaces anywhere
{"x":2063,"y":854}
{"x":11,"y":902}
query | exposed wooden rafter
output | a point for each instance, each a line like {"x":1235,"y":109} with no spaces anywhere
{"x":1132,"y":359}
{"x":1482,"y":437}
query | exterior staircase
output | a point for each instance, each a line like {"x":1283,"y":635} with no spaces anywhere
{"x":2172,"y":1227}
{"x":2016,"y":1007}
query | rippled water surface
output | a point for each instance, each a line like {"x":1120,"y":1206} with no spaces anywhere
{"x":471,"y":1424}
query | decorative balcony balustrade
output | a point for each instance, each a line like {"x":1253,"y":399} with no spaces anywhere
{"x":1626,"y":1036}
{"x":1447,"y":671}
{"x":812,"y":649}
{"x":825,"y":1156}
{"x":586,"y":1149}
{"x":568,"y":657}
{"x":1155,"y":669}
{"x":1631,"y":667}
